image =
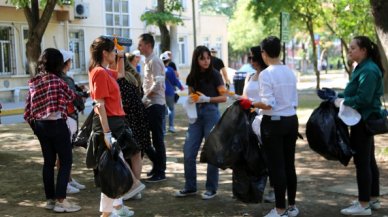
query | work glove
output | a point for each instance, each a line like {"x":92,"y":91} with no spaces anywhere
{"x":109,"y":140}
{"x":327,"y":94}
{"x":233,"y":95}
{"x":245,"y":103}
{"x":202,"y":98}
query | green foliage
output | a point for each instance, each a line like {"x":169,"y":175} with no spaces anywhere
{"x":42,"y":3}
{"x":164,"y":16}
{"x":224,"y":7}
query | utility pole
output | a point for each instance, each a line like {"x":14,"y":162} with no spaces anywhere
{"x":194,"y":25}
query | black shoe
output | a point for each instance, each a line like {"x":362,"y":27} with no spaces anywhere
{"x":151,"y":173}
{"x":156,"y":178}
{"x":185,"y":193}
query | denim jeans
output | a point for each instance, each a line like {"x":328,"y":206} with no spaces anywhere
{"x":208,"y":116}
{"x":170,"y":104}
{"x":157,"y":153}
{"x":54,"y":140}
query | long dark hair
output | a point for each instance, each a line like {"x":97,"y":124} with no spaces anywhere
{"x":372,"y":50}
{"x":256,"y":57}
{"x":195,"y":71}
{"x":96,"y":49}
{"x":51,"y":61}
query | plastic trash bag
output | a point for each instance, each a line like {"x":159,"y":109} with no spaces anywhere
{"x":328,"y":135}
{"x":85,"y":131}
{"x":128,"y":144}
{"x":225,"y":143}
{"x":114,"y":174}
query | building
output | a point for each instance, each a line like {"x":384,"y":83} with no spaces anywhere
{"x":74,"y":27}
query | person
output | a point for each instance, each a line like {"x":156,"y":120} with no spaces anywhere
{"x":45,"y":112}
{"x":218,"y":64}
{"x":363,"y":93}
{"x":135,"y":115}
{"x":136,"y":61}
{"x":172,"y":64}
{"x":171,"y":82}
{"x":279,"y":126}
{"x":0,"y":111}
{"x":251,"y":91}
{"x":206,"y":89}
{"x":72,"y":114}
{"x":154,"y":100}
{"x":109,"y":114}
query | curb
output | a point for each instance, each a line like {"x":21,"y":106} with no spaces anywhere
{"x":8,"y":112}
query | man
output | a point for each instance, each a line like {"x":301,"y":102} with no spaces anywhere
{"x":137,"y":58}
{"x":154,"y":101}
{"x":172,"y":64}
{"x":218,"y":64}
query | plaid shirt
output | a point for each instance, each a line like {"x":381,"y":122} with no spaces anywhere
{"x":47,"y":94}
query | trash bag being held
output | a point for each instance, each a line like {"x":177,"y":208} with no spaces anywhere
{"x":328,"y":135}
{"x":114,"y":174}
{"x":128,"y":143}
{"x":84,"y":132}
{"x":224,"y":145}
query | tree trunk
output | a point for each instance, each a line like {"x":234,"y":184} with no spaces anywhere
{"x":310,"y":28}
{"x":164,"y":33}
{"x":379,"y":10}
{"x":36,"y":28}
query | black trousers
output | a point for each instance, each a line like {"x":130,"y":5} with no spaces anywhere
{"x":279,"y":135}
{"x":364,"y":159}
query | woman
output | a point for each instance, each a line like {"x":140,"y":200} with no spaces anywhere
{"x":132,"y":93}
{"x":45,"y":111}
{"x":363,"y":93}
{"x":279,"y":126}
{"x":109,"y":118}
{"x":171,"y":82}
{"x":205,"y":88}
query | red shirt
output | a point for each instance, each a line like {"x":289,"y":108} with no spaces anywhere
{"x":47,"y":94}
{"x":103,"y":85}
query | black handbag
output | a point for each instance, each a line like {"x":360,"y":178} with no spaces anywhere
{"x":377,"y":126}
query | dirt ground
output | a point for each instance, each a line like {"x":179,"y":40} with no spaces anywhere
{"x":22,"y":195}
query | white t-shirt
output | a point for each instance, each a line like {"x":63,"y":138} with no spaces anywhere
{"x":251,"y":89}
{"x":278,"y":89}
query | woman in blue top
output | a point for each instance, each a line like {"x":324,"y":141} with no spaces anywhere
{"x":171,"y":82}
{"x":208,"y":84}
{"x":363,"y":93}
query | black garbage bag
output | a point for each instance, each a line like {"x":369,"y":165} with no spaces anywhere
{"x":128,"y":144}
{"x":225,"y":143}
{"x":115,"y":176}
{"x":328,"y":135}
{"x":84,"y":132}
{"x":246,"y":187}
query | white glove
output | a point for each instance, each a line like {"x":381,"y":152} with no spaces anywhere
{"x":146,"y":101}
{"x":203,"y":98}
{"x":108,"y":139}
{"x":338,"y":101}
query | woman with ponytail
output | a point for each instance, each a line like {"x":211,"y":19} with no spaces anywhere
{"x":363,"y":93}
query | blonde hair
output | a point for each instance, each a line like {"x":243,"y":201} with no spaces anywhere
{"x":131,"y":74}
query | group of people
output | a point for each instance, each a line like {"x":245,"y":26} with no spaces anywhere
{"x":122,"y":99}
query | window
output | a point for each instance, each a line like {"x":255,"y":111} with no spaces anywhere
{"x":219,"y":46}
{"x":7,"y":61}
{"x":77,"y":46}
{"x":184,"y":4}
{"x":182,"y":42}
{"x":206,"y":42}
{"x":25,"y":39}
{"x":117,"y":18}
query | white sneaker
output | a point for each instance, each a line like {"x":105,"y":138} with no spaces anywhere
{"x":171,"y":130}
{"x":134,"y":191}
{"x":50,"y":204}
{"x":138,"y":196}
{"x":357,"y":209}
{"x":375,"y":205}
{"x":274,"y":213}
{"x":269,"y":197}
{"x":71,"y":190}
{"x":76,"y":184}
{"x":66,"y":206}
{"x":292,"y":211}
{"x":124,"y":211}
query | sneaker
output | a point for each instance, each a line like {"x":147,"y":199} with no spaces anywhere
{"x":111,"y":215}
{"x":269,"y":197}
{"x":138,"y":196}
{"x":134,"y":190}
{"x":171,"y":130}
{"x":208,"y":195}
{"x":156,"y":178}
{"x":151,"y":173}
{"x":274,"y":213}
{"x":75,"y":184}
{"x":66,"y":206}
{"x":357,"y":209}
{"x":71,"y":190}
{"x":50,"y":204}
{"x":293,"y":211}
{"x":375,"y":205}
{"x":124,"y":211}
{"x":185,"y":193}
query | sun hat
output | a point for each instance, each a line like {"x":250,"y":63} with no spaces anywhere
{"x":136,"y":53}
{"x":67,"y":55}
{"x":348,"y":115}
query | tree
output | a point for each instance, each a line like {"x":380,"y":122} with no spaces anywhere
{"x":37,"y":24}
{"x":162,"y":16}
{"x":305,"y":12}
{"x":224,"y":7}
{"x":379,"y":11}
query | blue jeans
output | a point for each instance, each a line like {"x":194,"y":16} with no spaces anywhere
{"x":54,"y":140}
{"x":171,"y":106}
{"x":208,"y":116}
{"x":157,"y":153}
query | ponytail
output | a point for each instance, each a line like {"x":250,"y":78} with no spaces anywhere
{"x":372,"y":50}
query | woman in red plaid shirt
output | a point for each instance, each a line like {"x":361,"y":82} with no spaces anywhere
{"x":46,"y":113}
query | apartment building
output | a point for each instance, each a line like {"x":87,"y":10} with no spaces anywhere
{"x":74,"y":27}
